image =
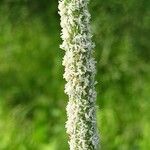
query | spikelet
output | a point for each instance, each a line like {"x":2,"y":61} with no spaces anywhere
{"x":80,"y":74}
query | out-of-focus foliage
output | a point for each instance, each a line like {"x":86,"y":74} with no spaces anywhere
{"x":32,"y":101}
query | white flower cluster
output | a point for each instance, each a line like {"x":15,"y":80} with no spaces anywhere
{"x":79,"y":74}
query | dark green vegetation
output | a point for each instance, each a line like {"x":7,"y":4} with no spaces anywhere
{"x":32,"y":101}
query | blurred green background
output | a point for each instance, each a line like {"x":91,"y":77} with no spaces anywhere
{"x":32,"y":99}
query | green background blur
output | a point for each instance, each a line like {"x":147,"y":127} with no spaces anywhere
{"x":32,"y":99}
